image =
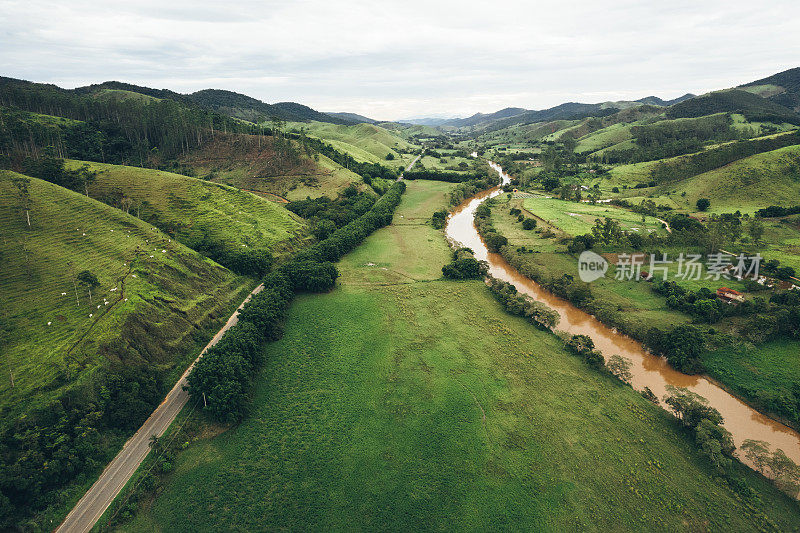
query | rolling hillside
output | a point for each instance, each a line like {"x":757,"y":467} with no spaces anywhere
{"x":734,"y":101}
{"x":193,"y":210}
{"x":153,"y":294}
{"x":365,"y":142}
{"x":770,"y":178}
{"x":353,"y":117}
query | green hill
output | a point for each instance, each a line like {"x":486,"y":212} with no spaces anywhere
{"x":193,"y":211}
{"x":365,"y":142}
{"x":159,"y":294}
{"x":770,"y":178}
{"x":734,"y":101}
{"x":782,"y":88}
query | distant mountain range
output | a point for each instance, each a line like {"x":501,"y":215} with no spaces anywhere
{"x":225,"y":102}
{"x":570,"y":110}
{"x":353,"y":117}
{"x":776,"y":97}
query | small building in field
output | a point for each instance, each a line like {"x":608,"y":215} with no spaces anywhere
{"x":730,"y":296}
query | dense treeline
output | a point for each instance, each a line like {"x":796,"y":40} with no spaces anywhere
{"x":523,"y":305}
{"x":326,"y":215}
{"x":49,"y":447}
{"x":672,"y":138}
{"x":119,"y":130}
{"x":753,"y":107}
{"x":778,"y":211}
{"x":687,"y":167}
{"x":440,"y":175}
{"x":223,"y":376}
{"x":470,"y":188}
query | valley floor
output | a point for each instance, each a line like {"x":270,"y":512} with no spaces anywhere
{"x":402,"y":401}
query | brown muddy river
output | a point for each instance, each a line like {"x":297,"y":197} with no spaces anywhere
{"x":741,"y":420}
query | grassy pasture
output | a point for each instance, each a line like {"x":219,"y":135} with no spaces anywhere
{"x":187,"y":207}
{"x":419,"y":404}
{"x":52,"y":332}
{"x":578,"y":218}
{"x":759,"y":372}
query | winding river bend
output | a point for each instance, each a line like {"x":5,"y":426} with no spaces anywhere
{"x":741,"y":420}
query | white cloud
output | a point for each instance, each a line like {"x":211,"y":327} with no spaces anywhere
{"x":393,"y":59}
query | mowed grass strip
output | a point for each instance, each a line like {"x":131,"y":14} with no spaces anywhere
{"x":424,"y":406}
{"x":51,"y":330}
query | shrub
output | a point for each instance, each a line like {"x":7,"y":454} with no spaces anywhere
{"x":465,"y":266}
{"x":528,"y":224}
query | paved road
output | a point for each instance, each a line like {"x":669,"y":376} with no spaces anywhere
{"x":410,"y":166}
{"x":91,"y":507}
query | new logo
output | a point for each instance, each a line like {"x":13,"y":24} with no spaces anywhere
{"x":591,"y":266}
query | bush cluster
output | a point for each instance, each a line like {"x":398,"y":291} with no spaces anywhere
{"x":465,"y":266}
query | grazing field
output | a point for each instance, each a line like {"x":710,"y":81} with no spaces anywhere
{"x":54,"y":335}
{"x":417,"y":403}
{"x":192,"y":210}
{"x":782,"y":241}
{"x":578,"y":218}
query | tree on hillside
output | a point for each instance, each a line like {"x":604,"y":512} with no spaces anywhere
{"x":703,"y":204}
{"x":756,"y":229}
{"x":88,"y":280}
{"x":22,"y":184}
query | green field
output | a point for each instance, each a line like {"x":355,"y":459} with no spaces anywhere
{"x":187,"y":208}
{"x":416,"y":403}
{"x":762,"y":373}
{"x":578,"y":218}
{"x":53,"y":336}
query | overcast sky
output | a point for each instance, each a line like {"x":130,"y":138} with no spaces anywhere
{"x":403,"y":59}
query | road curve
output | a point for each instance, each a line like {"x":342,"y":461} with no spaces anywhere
{"x":94,"y":503}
